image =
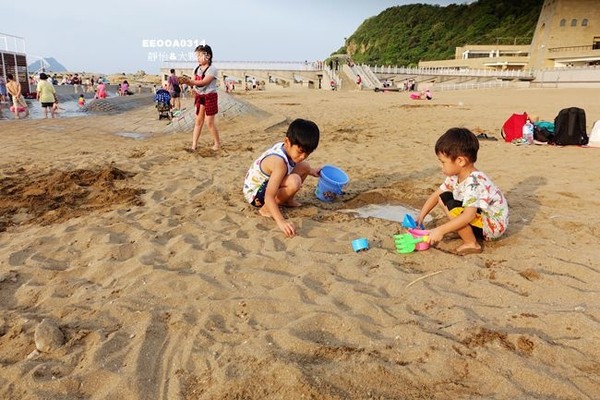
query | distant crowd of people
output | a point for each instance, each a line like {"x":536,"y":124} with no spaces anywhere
{"x":81,"y":84}
{"x":11,"y":91}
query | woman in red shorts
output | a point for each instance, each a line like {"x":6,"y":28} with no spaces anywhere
{"x":206,"y":98}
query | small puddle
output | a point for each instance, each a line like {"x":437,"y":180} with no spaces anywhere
{"x":388,"y":212}
{"x":133,"y":135}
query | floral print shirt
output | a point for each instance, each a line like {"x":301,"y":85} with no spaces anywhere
{"x":478,"y":190}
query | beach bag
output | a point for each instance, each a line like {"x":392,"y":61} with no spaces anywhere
{"x":543,"y":131}
{"x":513,"y":127}
{"x":595,"y":135}
{"x":569,"y":127}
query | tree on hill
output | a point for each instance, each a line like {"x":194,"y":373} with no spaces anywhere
{"x":405,"y":35}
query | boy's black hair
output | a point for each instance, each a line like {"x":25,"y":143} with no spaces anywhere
{"x":303,"y":133}
{"x":458,"y":142}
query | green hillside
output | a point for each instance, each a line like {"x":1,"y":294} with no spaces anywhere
{"x":405,"y":35}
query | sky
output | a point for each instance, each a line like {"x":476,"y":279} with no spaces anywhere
{"x":115,"y":36}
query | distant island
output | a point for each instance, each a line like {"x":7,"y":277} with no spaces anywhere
{"x":49,"y":64}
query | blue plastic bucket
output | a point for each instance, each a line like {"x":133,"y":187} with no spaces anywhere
{"x":331,"y":183}
{"x":360,"y":244}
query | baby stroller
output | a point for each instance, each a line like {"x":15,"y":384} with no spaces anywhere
{"x":162,"y":98}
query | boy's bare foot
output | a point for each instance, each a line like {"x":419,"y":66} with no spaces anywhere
{"x":264,"y":212}
{"x":465,"y":249}
{"x":292,"y":203}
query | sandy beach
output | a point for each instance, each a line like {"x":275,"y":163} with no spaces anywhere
{"x":159,"y":281}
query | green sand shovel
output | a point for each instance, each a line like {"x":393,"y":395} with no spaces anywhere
{"x":406,"y":243}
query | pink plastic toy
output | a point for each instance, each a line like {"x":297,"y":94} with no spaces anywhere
{"x":21,"y":109}
{"x":417,"y":233}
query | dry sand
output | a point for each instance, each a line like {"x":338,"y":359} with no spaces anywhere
{"x":165,"y":284}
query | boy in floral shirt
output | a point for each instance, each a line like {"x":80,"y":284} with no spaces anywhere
{"x":476,"y":208}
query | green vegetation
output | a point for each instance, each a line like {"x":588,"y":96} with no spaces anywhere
{"x":405,"y":35}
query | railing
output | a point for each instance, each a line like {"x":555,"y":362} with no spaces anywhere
{"x":465,"y":86}
{"x":453,"y":72}
{"x":571,"y":68}
{"x":369,"y":80}
{"x":14,"y":44}
{"x":372,"y":77}
{"x":571,"y":49}
{"x":254,"y":65}
{"x":43,"y":67}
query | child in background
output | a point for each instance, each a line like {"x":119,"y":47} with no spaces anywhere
{"x":81,"y":101}
{"x":125,"y":88}
{"x":206,"y":99}
{"x":3,"y":92}
{"x":476,"y":208}
{"x":277,"y":175}
{"x":101,"y":90}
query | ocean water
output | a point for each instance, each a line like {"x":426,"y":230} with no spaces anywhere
{"x":68,"y":106}
{"x":66,"y":109}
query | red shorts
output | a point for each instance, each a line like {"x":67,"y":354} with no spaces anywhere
{"x":210,"y":101}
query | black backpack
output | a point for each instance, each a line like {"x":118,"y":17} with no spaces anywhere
{"x":570,"y":128}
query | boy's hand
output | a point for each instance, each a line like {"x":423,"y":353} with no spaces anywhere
{"x":435,"y":236}
{"x":287,"y":228}
{"x":315,"y":171}
{"x":419,"y":221}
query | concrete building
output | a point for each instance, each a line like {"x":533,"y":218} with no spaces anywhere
{"x":567,"y":34}
{"x":503,"y":57}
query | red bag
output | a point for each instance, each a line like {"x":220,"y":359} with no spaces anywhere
{"x":513,"y":127}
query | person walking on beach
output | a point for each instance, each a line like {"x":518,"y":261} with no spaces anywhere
{"x":46,"y":95}
{"x":174,"y":90}
{"x":3,"y":92}
{"x":475,"y":206}
{"x":358,"y":82}
{"x":76,"y":82}
{"x":14,"y":89}
{"x":277,"y":175}
{"x":206,"y":99}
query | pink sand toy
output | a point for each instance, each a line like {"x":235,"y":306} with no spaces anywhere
{"x":420,"y":233}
